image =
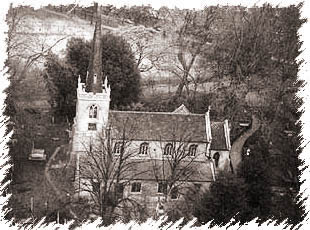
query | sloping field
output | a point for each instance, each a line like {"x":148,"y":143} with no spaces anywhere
{"x":43,"y":29}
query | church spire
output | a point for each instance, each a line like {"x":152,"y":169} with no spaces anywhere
{"x":94,"y":79}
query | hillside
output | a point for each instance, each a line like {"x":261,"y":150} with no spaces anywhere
{"x":153,"y":46}
{"x":151,"y":35}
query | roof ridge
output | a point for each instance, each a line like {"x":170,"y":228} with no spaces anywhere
{"x":166,"y":113}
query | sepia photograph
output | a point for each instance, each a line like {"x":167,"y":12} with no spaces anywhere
{"x":133,"y":113}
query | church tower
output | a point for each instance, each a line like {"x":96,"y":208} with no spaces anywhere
{"x":93,"y":97}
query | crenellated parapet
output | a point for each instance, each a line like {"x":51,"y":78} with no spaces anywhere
{"x":82,"y":94}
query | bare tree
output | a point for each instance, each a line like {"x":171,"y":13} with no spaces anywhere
{"x":142,"y":42}
{"x":106,"y":169}
{"x":180,"y":162}
{"x":192,"y":38}
{"x":22,"y":44}
{"x":176,"y":54}
{"x":26,"y":50}
{"x":256,"y":48}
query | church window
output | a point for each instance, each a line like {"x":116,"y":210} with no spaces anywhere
{"x":192,"y":150}
{"x":197,"y":186}
{"x":118,"y":147}
{"x":216,"y":158}
{"x":136,"y":187}
{"x":168,"y":149}
{"x":95,"y":78}
{"x":119,"y":190}
{"x":93,"y":111}
{"x":96,"y":186}
{"x":174,"y":193}
{"x":162,"y":187}
{"x":92,"y":126}
{"x":144,"y":148}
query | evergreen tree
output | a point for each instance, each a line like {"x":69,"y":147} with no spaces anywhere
{"x":77,"y":56}
{"x":225,"y":200}
{"x":248,"y":194}
{"x":62,"y":84}
{"x":118,"y":66}
{"x":254,"y":169}
{"x":258,"y":50}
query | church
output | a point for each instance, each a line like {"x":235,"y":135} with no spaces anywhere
{"x":150,"y":156}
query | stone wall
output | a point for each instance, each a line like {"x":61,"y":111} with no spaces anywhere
{"x":149,"y":195}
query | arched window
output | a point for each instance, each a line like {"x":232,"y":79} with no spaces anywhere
{"x":95,"y":78}
{"x":119,"y":190}
{"x":216,"y":157}
{"x":136,"y":187}
{"x":162,"y":187}
{"x":118,"y":147}
{"x":197,"y":187}
{"x":144,"y":148}
{"x":168,"y":149}
{"x":192,"y":150}
{"x":174,"y":193}
{"x":93,"y":111}
{"x":96,"y":186}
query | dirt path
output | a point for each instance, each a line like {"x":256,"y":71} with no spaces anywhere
{"x":236,"y":149}
{"x":50,"y":181}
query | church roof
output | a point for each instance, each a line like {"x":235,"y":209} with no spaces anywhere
{"x":218,"y":136}
{"x":161,"y":126}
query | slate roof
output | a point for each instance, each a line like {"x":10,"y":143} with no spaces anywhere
{"x":147,"y":169}
{"x":160,"y":126}
{"x":218,"y":136}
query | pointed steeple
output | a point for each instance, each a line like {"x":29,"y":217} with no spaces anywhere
{"x":94,"y":79}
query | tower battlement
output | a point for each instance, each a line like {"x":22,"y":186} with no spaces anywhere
{"x":83,"y":94}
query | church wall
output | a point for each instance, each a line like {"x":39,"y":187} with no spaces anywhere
{"x":81,"y":133}
{"x":82,"y":140}
{"x":156,"y":149}
{"x":83,"y":113}
{"x":224,"y":160}
{"x":149,"y":188}
{"x":149,"y":195}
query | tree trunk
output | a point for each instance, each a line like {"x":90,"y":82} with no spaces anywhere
{"x":178,"y":92}
{"x":236,"y":148}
